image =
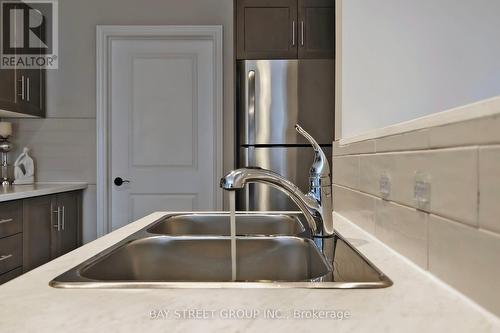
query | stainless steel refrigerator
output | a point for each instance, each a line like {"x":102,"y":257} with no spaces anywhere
{"x":273,"y":96}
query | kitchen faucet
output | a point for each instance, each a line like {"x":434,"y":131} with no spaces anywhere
{"x":316,"y":205}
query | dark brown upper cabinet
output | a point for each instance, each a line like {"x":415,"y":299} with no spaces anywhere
{"x":8,"y":89}
{"x":31,"y":101}
{"x":316,"y":29}
{"x":22,"y":93}
{"x":284,"y":29}
{"x":266,"y":29}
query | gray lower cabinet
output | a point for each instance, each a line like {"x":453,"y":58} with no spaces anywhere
{"x":12,"y":253}
{"x":36,"y":230}
{"x":11,"y":240}
{"x":67,"y":237}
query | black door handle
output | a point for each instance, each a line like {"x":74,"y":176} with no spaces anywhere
{"x":119,"y":181}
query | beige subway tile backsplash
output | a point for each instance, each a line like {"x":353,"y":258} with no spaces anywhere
{"x":362,"y":147}
{"x":451,"y":172}
{"x":346,"y":171}
{"x":467,"y":259}
{"x":404,"y":229}
{"x":489,"y":188}
{"x":414,"y":140}
{"x":355,"y":206}
{"x":466,"y":133}
{"x":453,"y":177}
{"x":371,"y":167}
{"x":456,"y":236}
{"x":64,"y":150}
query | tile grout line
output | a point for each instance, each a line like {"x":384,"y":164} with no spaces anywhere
{"x":428,"y":240}
{"x":411,"y":151}
{"x":375,"y":217}
{"x":358,"y":158}
{"x":478,"y":189}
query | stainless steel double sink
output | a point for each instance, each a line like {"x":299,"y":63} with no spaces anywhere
{"x":194,"y":251}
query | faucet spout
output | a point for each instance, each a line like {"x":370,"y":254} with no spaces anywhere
{"x":309,"y":206}
{"x":316,"y":204}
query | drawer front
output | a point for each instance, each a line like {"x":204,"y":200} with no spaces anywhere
{"x":11,"y":253}
{"x":10,"y":275}
{"x":11,"y":218}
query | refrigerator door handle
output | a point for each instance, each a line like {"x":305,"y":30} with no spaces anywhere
{"x":301,"y":33}
{"x":250,"y":193}
{"x":251,"y":105}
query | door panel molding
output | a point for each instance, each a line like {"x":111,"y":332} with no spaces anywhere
{"x":105,"y":34}
{"x":141,"y":161}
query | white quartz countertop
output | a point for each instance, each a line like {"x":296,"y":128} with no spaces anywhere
{"x":417,"y":302}
{"x":16,"y":192}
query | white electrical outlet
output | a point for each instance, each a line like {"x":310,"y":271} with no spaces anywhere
{"x":422,"y":190}
{"x":385,"y":185}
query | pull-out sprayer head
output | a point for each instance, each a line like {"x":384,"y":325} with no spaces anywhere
{"x":320,"y":166}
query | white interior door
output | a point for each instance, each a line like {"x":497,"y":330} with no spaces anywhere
{"x":163,"y":123}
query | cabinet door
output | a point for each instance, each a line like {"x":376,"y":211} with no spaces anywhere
{"x":316,"y":29}
{"x":11,"y":218}
{"x":8,"y":89}
{"x":31,"y":92}
{"x":68,"y":204}
{"x":39,"y":231}
{"x":266,"y":29}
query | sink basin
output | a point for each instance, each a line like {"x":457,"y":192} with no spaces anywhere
{"x":201,"y":260}
{"x":165,"y":258}
{"x":218,"y":225}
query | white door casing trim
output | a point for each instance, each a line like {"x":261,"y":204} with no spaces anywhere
{"x":104,"y":35}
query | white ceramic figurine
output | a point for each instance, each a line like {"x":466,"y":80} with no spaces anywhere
{"x":24,"y":169}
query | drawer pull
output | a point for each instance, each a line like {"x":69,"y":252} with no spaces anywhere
{"x":22,"y":94}
{"x":6,"y":221}
{"x":28,"y":88}
{"x":5,"y":257}
{"x":58,"y":225}
{"x":63,"y":219}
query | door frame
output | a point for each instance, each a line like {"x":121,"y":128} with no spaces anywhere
{"x":104,"y":35}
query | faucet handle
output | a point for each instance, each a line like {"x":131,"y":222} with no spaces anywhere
{"x":320,"y":166}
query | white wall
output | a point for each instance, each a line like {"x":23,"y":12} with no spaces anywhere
{"x":403,"y":59}
{"x":64,"y":144}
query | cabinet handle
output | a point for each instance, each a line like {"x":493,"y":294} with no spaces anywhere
{"x":293,"y":33}
{"x":302,"y":33}
{"x":58,"y":225}
{"x":5,"y":221}
{"x":28,"y":89}
{"x":22,"y":87}
{"x":63,"y":218}
{"x":5,"y":257}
